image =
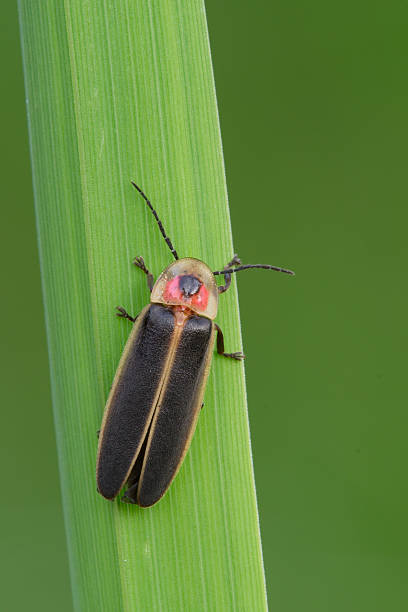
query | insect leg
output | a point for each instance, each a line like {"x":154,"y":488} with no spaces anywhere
{"x":122,"y":313}
{"x":129,"y":497}
{"x":235,"y":261}
{"x":220,"y":346}
{"x":139,"y":263}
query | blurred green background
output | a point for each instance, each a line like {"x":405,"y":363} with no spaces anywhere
{"x":313,"y":101}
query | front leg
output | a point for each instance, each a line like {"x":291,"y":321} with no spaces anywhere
{"x":220,"y":346}
{"x":235,"y":261}
{"x":139,"y":263}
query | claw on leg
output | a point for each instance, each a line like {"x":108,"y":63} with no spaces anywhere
{"x":238,"y":356}
{"x":235,"y":261}
{"x":220,"y":347}
{"x":140,"y":263}
{"x":122,"y":313}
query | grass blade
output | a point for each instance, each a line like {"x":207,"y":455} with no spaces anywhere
{"x":119,"y":91}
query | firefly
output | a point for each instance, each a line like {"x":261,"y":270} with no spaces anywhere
{"x":157,"y":393}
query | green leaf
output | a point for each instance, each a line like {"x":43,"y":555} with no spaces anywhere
{"x":119,"y":91}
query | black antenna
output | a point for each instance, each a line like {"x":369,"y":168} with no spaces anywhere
{"x":159,"y":223}
{"x":247,"y":267}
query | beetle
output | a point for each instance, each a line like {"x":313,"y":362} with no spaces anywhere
{"x":157,"y":393}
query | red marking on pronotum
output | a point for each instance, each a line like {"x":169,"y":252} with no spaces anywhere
{"x":173,"y":293}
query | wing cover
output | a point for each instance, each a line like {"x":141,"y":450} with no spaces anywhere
{"x":133,"y":397}
{"x":178,"y":408}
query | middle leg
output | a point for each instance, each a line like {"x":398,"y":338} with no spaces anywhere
{"x":220,"y":346}
{"x":125,"y":315}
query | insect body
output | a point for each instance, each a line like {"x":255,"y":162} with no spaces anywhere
{"x":158,"y":389}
